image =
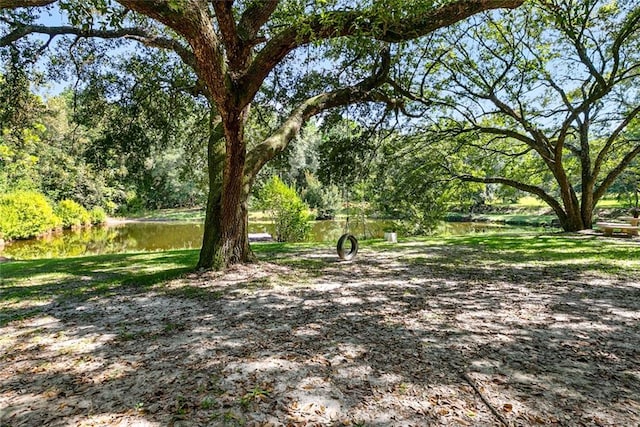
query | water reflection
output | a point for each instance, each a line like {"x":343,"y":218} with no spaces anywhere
{"x":118,"y":238}
{"x":152,"y":236}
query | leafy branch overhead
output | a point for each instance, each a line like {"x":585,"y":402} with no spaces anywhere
{"x":234,"y":44}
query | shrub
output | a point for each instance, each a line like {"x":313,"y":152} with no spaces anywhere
{"x":289,"y":213}
{"x":110,"y":207}
{"x":72,"y":214}
{"x":25,"y":214}
{"x":98,"y":215}
{"x":326,"y":200}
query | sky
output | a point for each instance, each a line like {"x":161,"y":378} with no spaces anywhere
{"x":54,"y":17}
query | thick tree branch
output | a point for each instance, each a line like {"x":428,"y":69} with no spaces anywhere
{"x":611,"y":176}
{"x":134,"y":33}
{"x":602,"y":155}
{"x":538,"y":141}
{"x":168,"y":44}
{"x":601,"y":87}
{"x":531,"y":189}
{"x":228,"y":32}
{"x":344,"y":23}
{"x":25,"y":30}
{"x":186,"y":19}
{"x":193,"y":22}
{"x":583,"y":54}
{"x":629,"y":27}
{"x":9,"y":4}
{"x":278,"y":141}
{"x":255,"y":16}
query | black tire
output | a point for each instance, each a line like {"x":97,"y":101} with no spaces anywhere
{"x":354,"y":247}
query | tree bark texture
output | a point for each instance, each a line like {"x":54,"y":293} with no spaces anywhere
{"x":226,"y":238}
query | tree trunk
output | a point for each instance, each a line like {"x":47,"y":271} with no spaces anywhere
{"x":573,"y":219}
{"x":234,"y":216}
{"x":226,"y":240}
{"x":587,"y":216}
{"x":215,"y":160}
{"x":587,"y":205}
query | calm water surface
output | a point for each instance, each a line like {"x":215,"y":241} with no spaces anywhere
{"x":152,"y":236}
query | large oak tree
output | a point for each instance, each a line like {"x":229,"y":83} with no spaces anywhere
{"x":233,"y":46}
{"x":547,"y":96}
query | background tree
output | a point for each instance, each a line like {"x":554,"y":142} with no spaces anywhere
{"x":232,"y":48}
{"x":412,"y":182}
{"x":548,"y":93}
{"x":150,"y":132}
{"x":20,"y":129}
{"x":627,"y":187}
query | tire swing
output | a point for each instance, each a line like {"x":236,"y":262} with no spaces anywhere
{"x":347,"y":239}
{"x":341,"y":247}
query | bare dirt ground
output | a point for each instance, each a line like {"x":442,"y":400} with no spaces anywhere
{"x":415,"y":336}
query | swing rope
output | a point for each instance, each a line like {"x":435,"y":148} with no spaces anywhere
{"x":347,"y":236}
{"x":346,"y":224}
{"x":346,"y":190}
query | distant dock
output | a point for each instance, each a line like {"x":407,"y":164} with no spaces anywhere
{"x":260,"y":237}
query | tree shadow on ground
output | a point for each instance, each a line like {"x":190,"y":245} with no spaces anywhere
{"x":41,"y":284}
{"x":393,"y":338}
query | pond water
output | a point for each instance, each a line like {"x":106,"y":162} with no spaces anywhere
{"x":152,"y":236}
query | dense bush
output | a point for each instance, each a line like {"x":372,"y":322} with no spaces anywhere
{"x":72,"y":214}
{"x":289,"y":213}
{"x":325,"y":199}
{"x":26,"y":214}
{"x":98,"y":215}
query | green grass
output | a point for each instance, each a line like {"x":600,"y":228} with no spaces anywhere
{"x":564,"y":251}
{"x":530,"y":201}
{"x":27,"y":287}
{"x":534,"y":202}
{"x":519,"y":219}
{"x":611,"y":204}
{"x":528,"y":211}
{"x":188,"y":215}
{"x":177,"y":214}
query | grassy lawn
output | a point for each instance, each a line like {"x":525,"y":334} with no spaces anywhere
{"x":530,"y":202}
{"x":177,"y":214}
{"x":530,"y":211}
{"x":27,"y":286}
{"x":534,"y":219}
{"x":187,"y":214}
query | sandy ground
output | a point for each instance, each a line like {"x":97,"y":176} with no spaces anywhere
{"x":420,"y":336}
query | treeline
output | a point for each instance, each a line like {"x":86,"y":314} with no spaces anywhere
{"x":71,"y":159}
{"x":114,"y":153}
{"x":121,"y":146}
